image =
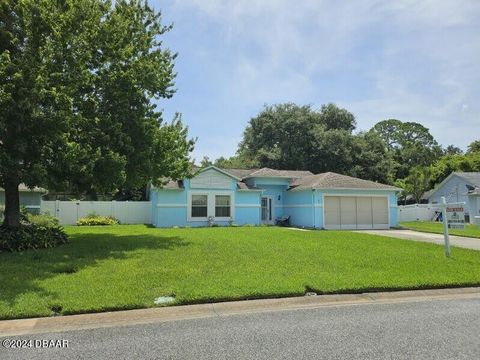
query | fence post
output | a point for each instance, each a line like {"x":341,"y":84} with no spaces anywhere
{"x":113,"y":209}
{"x":57,"y":209}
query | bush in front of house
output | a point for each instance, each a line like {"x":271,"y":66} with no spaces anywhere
{"x":45,"y":220}
{"x":31,"y":236}
{"x":94,"y":220}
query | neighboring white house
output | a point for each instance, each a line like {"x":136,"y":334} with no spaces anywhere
{"x":456,"y":188}
{"x":30,"y":198}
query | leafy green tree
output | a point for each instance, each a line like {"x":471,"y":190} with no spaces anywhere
{"x":284,"y":136}
{"x":452,"y":150}
{"x":289,"y":136}
{"x":417,"y":182}
{"x":335,"y":118}
{"x":410,"y":143}
{"x":474,"y":147}
{"x":469,"y":162}
{"x":371,"y":159}
{"x":205,"y":162}
{"x":235,"y":162}
{"x":77,"y":80}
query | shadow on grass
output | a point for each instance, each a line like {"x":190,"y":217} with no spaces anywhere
{"x":21,"y":272}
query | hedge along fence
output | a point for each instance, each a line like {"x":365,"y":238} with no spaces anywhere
{"x":127,"y":212}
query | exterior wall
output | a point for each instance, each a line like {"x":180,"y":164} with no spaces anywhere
{"x":26,"y":198}
{"x":277,"y":193}
{"x":474,"y":202}
{"x":454,"y":190}
{"x":247,"y":208}
{"x":304,"y":208}
{"x":171,"y":207}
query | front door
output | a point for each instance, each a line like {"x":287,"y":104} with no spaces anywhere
{"x":267,"y":210}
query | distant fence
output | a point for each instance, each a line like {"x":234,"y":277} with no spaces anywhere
{"x":127,"y":212}
{"x":416,"y":212}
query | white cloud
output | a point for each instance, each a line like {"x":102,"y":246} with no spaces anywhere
{"x":421,"y":59}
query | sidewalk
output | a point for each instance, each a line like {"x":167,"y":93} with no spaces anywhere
{"x":158,"y":315}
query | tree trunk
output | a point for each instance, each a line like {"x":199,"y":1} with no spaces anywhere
{"x":12,"y":204}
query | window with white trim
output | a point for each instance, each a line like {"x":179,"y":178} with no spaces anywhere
{"x":222,"y":205}
{"x":199,"y":206}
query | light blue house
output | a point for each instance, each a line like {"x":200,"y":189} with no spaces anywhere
{"x":260,"y":196}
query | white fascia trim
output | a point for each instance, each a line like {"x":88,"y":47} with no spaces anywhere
{"x":248,"y":205}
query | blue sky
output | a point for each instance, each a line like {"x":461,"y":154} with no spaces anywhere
{"x":409,"y":60}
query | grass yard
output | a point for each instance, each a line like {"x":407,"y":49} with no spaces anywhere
{"x":124,"y":267}
{"x":437,"y":228}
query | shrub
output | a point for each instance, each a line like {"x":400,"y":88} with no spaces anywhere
{"x":45,"y":220}
{"x":93,"y":220}
{"x":31,"y":236}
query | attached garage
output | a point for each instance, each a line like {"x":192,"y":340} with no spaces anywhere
{"x":356,"y":212}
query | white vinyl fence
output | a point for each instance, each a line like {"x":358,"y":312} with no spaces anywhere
{"x":416,"y":212}
{"x":127,"y":212}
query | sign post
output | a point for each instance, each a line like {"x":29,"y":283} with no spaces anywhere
{"x":445,"y":227}
{"x":453,"y":218}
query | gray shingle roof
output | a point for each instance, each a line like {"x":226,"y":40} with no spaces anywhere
{"x":240,"y":173}
{"x":330,"y":180}
{"x":470,"y":177}
{"x":173,"y":184}
{"x":242,"y":186}
{"x":291,"y":174}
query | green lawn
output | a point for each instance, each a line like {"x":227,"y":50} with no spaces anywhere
{"x":437,"y":227}
{"x":123,"y":267}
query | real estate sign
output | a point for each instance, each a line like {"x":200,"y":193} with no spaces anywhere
{"x":455,"y":216}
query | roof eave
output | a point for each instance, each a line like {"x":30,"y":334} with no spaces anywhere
{"x":342,"y":188}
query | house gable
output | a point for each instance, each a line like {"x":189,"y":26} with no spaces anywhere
{"x":450,"y":185}
{"x":212,"y":178}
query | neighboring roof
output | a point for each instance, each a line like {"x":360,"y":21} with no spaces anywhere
{"x":25,"y":188}
{"x":426,"y":195}
{"x":330,"y":180}
{"x":472,"y":178}
{"x":241,"y":173}
{"x":242,"y":186}
{"x":173,"y":185}
{"x":290,"y":174}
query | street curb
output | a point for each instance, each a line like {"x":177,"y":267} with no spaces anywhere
{"x":185,"y":312}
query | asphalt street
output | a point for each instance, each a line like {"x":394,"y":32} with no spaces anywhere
{"x":427,"y":329}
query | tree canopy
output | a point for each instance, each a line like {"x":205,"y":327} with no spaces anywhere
{"x":77,"y":84}
{"x":289,"y":136}
{"x":410,"y":144}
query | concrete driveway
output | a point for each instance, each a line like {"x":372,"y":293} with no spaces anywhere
{"x":460,"y":241}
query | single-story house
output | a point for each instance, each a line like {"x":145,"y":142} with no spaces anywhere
{"x":30,"y":198}
{"x":260,"y":196}
{"x":455,"y":188}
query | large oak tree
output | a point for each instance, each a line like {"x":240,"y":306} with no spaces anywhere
{"x":77,"y":84}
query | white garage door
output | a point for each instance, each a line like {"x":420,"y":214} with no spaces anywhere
{"x":356,"y":212}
